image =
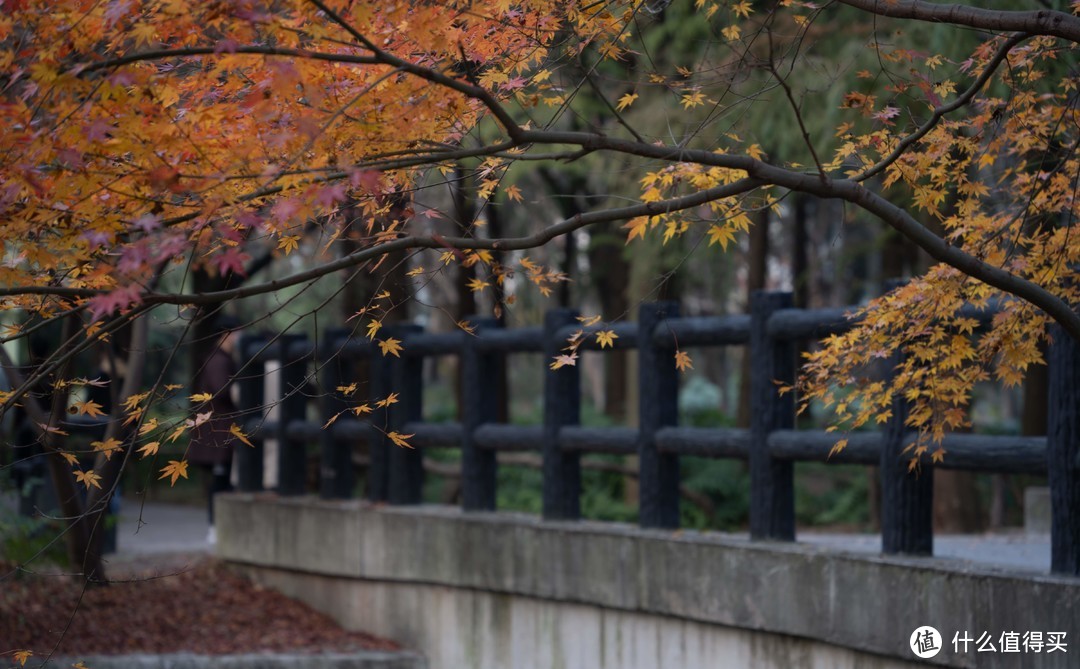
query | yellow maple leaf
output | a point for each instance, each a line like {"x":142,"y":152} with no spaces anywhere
{"x":626,"y":100}
{"x":235,"y":431}
{"x":373,"y":327}
{"x":202,"y":397}
{"x":476,"y":285}
{"x":88,"y":478}
{"x":288,"y":243}
{"x":682,"y":361}
{"x":390,"y":399}
{"x":70,"y":457}
{"x":174,"y":470}
{"x":513,"y":193}
{"x":400,"y":439}
{"x":837,"y":447}
{"x":21,"y":656}
{"x":637,"y":227}
{"x":149,"y":449}
{"x":416,"y":271}
{"x":606,"y":338}
{"x":692,"y":99}
{"x":148,"y":426}
{"x":391,"y":346}
{"x":721,"y":234}
{"x":107,"y":447}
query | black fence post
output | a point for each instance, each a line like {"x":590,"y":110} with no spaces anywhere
{"x":772,"y":490}
{"x":479,"y":405}
{"x":659,"y":407}
{"x":382,"y":383}
{"x":249,"y":460}
{"x":292,"y":406}
{"x":562,"y":406}
{"x":907,"y":494}
{"x":337,"y":476}
{"x":406,"y":463}
{"x":1063,"y":451}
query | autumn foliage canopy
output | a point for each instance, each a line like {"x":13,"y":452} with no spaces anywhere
{"x":145,"y":140}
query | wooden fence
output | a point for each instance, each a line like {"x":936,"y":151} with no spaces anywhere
{"x":771,"y":445}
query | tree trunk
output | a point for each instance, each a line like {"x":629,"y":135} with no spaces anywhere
{"x":757,"y":272}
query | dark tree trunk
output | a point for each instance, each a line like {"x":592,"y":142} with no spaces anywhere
{"x":757,"y":272}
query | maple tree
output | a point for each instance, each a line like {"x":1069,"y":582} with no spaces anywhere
{"x":150,"y":139}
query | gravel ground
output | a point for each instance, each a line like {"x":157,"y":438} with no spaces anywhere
{"x":172,"y":604}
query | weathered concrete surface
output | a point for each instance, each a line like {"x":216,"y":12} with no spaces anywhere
{"x":362,"y":660}
{"x":432,"y":577}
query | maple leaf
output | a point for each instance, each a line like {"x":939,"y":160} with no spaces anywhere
{"x":400,"y":439}
{"x":201,"y":397}
{"x":693,"y":99}
{"x":626,"y":100}
{"x":108,"y":303}
{"x":392,"y":398}
{"x":235,"y":431}
{"x":174,"y":470}
{"x":606,"y":338}
{"x":682,"y":361}
{"x":21,"y":656}
{"x":513,"y":193}
{"x":232,"y":261}
{"x":87,"y":408}
{"x":839,"y":446}
{"x":148,"y":426}
{"x":107,"y":447}
{"x":71,"y":458}
{"x":476,"y":285}
{"x":391,"y":346}
{"x":289,"y":243}
{"x":149,"y":449}
{"x":721,"y":234}
{"x":372,"y":328}
{"x":561,"y":361}
{"x":88,"y":478}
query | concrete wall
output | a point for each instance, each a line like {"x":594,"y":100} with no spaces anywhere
{"x":505,"y":590}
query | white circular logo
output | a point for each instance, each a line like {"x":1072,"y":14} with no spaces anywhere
{"x":925,"y":642}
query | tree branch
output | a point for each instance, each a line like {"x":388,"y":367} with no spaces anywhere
{"x":1034,"y":22}
{"x":161,"y":54}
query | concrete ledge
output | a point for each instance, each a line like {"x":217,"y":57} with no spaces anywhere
{"x":360,"y":660}
{"x":855,"y":602}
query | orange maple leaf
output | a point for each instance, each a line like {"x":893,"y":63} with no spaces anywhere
{"x":174,"y":470}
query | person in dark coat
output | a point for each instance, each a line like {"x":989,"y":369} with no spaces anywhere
{"x":211,"y":444}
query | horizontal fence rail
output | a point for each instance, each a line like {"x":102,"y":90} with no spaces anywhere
{"x":308,"y":369}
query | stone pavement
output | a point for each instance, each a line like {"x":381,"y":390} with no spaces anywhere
{"x":148,"y":528}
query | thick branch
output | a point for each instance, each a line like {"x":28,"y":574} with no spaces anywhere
{"x":161,"y":54}
{"x":1034,"y":22}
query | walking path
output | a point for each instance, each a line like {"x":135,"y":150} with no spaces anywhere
{"x":171,"y":529}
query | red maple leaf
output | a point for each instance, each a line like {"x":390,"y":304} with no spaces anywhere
{"x":231,"y":260}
